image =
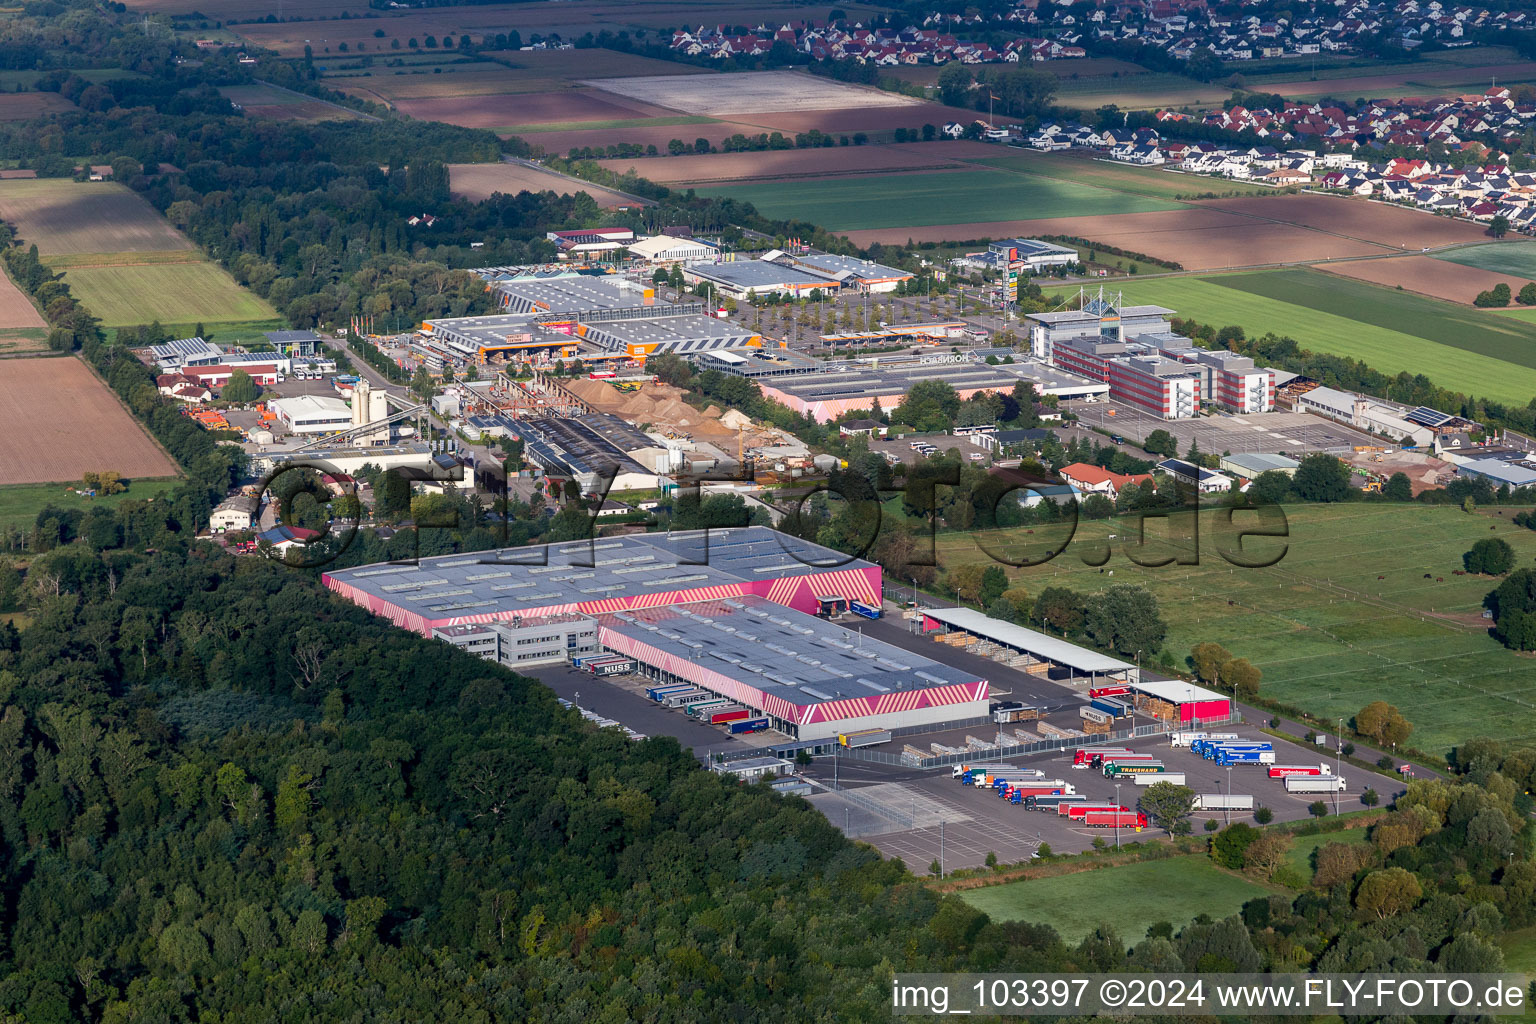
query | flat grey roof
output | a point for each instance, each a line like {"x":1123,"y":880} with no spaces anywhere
{"x":1076,"y":315}
{"x":691,"y":329}
{"x":758,"y":274}
{"x":1039,"y":644}
{"x":541,"y":575}
{"x":789,"y":654}
{"x":567,"y":295}
{"x":1259,"y":463}
{"x":863,"y":269}
{"x":852,"y":380}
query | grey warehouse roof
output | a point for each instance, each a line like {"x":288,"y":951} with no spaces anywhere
{"x":538,"y":576}
{"x":1036,"y":643}
{"x":758,"y":275}
{"x":789,"y":654}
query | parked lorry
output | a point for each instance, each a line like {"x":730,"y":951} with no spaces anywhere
{"x":1314,"y":783}
{"x":660,"y":693}
{"x":749,"y":725}
{"x":1204,"y":747}
{"x":1222,"y":802}
{"x":1076,"y":811}
{"x":612,"y":667}
{"x":725,"y":716}
{"x":1084,"y":756}
{"x":1014,"y":711}
{"x":1108,"y":691}
{"x":1111,"y":706}
{"x":1153,"y":778}
{"x":698,"y":708}
{"x":1115,"y":819}
{"x":1280,"y":771}
{"x":1103,"y":765}
{"x":677,"y":700}
{"x":869,"y":611}
{"x":1227,"y":758}
{"x":1184,"y":739}
{"x":960,"y":770}
{"x":1117,"y":768}
{"x":1051,"y":801}
{"x":864,"y":738}
{"x":1041,"y":788}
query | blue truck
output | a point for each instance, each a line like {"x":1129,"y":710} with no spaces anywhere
{"x":1231,"y":757}
{"x":869,"y":611}
{"x":749,"y":725}
{"x":1111,"y":707}
{"x":1217,"y":751}
{"x":661,"y":692}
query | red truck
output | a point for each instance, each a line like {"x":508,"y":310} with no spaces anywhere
{"x":1108,"y":691}
{"x":1075,"y":811}
{"x":1024,"y":789}
{"x":1112,"y":819}
{"x":1280,"y":771}
{"x":1085,"y":757}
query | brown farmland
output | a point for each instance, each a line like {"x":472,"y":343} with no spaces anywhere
{"x":568,"y":106}
{"x":480,"y":181}
{"x":58,"y":420}
{"x":1198,"y":239}
{"x":16,"y":310}
{"x":62,"y":216}
{"x":859,"y":119}
{"x":23,"y":106}
{"x":1393,"y":226}
{"x":780,"y":164}
{"x":1427,"y":276}
{"x":222,"y":10}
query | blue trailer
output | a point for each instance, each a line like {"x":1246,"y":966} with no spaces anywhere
{"x":1231,"y":757}
{"x":658,"y":693}
{"x":867,"y":610}
{"x":749,"y":725}
{"x":1216,"y":751}
{"x":1111,"y":707}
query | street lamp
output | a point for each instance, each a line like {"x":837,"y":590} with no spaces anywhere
{"x":1117,"y":815}
{"x":1227,"y":810}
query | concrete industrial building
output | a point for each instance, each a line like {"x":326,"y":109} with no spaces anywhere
{"x":559,"y":318}
{"x":740,"y":279}
{"x":585,"y":449}
{"x":1247,"y":466}
{"x":1365,"y":414}
{"x":730,"y":611}
{"x":312,"y":414}
{"x":851,"y":272}
{"x":826,"y":389}
{"x":667,"y":249}
{"x":1135,"y":351}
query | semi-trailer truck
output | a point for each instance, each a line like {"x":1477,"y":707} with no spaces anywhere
{"x":1111,"y":706}
{"x":1115,"y":769}
{"x":698,"y":707}
{"x":1226,"y":758}
{"x":1039,"y":788}
{"x":967,"y":769}
{"x":1104,"y":765}
{"x":1203,"y":747}
{"x":1076,"y":811}
{"x":749,"y":725}
{"x":1153,"y":778}
{"x":659,"y":693}
{"x":869,"y":611}
{"x":1211,"y":748}
{"x":1314,"y":784}
{"x":726,"y":716}
{"x":864,"y":738}
{"x":1280,"y":771}
{"x":677,"y":700}
{"x":1222,"y":802}
{"x":1051,"y":801}
{"x":1184,"y":739}
{"x":1084,"y":756}
{"x":1115,"y":819}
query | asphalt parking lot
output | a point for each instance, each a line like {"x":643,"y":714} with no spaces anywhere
{"x":975,"y":821}
{"x":1267,"y":432}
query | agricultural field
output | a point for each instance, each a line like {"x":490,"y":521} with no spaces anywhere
{"x":1426,"y":275}
{"x":784,"y":164}
{"x":20,"y":503}
{"x":1456,"y":347}
{"x":1513,"y":259}
{"x":568,"y":18}
{"x":938,"y":198}
{"x":1396,"y":227}
{"x":268,"y":101}
{"x":61,"y":216}
{"x":223,"y":10}
{"x":22,"y":328}
{"x":58,"y":421}
{"x":749,"y":93}
{"x":24,"y":106}
{"x":481,"y":181}
{"x":168,"y":292}
{"x":1133,"y":897}
{"x":1345,"y":617}
{"x":1145,"y":181}
{"x":1434,"y":74}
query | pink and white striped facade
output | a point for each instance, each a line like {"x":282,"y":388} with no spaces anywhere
{"x":827,"y":410}
{"x":798,"y":592}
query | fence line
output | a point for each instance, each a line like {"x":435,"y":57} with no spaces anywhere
{"x":1018,"y":749}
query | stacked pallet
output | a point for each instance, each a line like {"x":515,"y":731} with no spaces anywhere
{"x":1057,"y":732}
{"x":1024,"y":738}
{"x":942,"y":750}
{"x":1096,"y":728}
{"x":1039,"y":668}
{"x":955,"y":639}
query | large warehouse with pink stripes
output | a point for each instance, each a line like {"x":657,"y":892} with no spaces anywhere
{"x":733,"y":611}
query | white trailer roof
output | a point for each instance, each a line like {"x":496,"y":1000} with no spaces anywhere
{"x":1176,"y":691}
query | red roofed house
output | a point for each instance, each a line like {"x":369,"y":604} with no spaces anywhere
{"x":1095,"y":480}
